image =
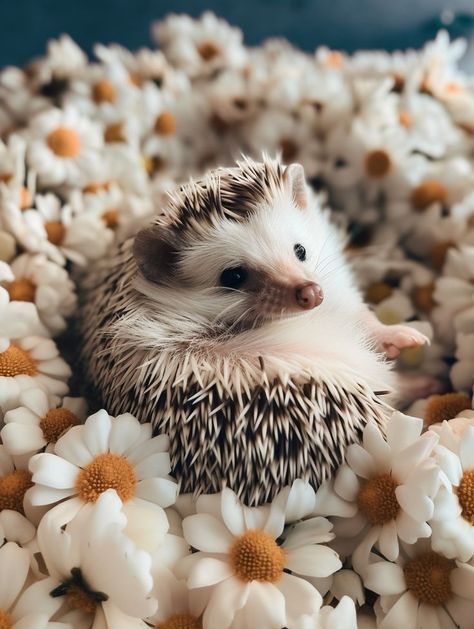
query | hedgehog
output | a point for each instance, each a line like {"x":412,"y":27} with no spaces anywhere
{"x":233,"y":323}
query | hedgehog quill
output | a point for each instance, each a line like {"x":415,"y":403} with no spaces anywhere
{"x":233,"y":323}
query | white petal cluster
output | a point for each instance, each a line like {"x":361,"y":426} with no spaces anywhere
{"x":93,"y":530}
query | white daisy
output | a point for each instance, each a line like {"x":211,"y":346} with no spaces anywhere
{"x":462,"y":372}
{"x":388,"y":486}
{"x":106,"y":453}
{"x":63,"y":147}
{"x":94,"y":569}
{"x":40,"y":420}
{"x":453,"y":518}
{"x":14,"y":527}
{"x":15,"y":480}
{"x":202,"y":46}
{"x":239,"y":572}
{"x":17,"y":319}
{"x":422,"y":589}
{"x":44,"y":283}
{"x":454,"y":293}
{"x":59,"y":232}
{"x":16,"y":608}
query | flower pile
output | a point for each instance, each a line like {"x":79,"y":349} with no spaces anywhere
{"x":93,"y":532}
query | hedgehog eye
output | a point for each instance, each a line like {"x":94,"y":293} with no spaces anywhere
{"x":233,"y":277}
{"x":300,"y":252}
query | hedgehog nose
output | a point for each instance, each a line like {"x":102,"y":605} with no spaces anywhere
{"x":308,"y":295}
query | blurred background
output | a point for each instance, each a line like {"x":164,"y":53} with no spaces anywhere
{"x":26,"y":25}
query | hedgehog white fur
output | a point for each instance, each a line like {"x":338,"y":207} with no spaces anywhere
{"x":234,"y":324}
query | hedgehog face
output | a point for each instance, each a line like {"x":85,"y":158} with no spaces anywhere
{"x":242,"y":273}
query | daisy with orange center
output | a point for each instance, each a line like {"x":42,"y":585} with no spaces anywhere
{"x":453,"y":518}
{"x":39,"y":421}
{"x":64,"y":147}
{"x":422,"y":589}
{"x":105,"y":453}
{"x":97,"y":575}
{"x":241,"y":572}
{"x":384,"y":492}
{"x":34,"y":279}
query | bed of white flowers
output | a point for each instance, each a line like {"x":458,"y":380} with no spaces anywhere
{"x":92,"y":531}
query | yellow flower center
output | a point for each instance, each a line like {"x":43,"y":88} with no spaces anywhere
{"x":289,"y":149}
{"x":106,"y":471}
{"x":114,"y":133}
{"x":21,"y":290}
{"x":404,"y":118}
{"x":78,"y":598}
{"x":95,"y":186}
{"x":377,"y":499}
{"x":377,"y":163}
{"x":439,"y":253}
{"x":180,"y":621}
{"x":412,"y":356}
{"x":103,"y":92}
{"x":135,"y":79}
{"x":15,"y":361}
{"x":389,"y":316}
{"x":25,"y":199}
{"x":166,"y":123}
{"x":465,"y":494}
{"x":377,"y":292}
{"x":55,"y":232}
{"x":422,"y":297}
{"x":428,"y":578}
{"x":111,"y":218}
{"x":428,"y":192}
{"x":64,"y":142}
{"x":255,"y":556}
{"x":13,"y":487}
{"x":445,"y":407}
{"x":5,"y":620}
{"x":208,"y":50}
{"x":55,"y":422}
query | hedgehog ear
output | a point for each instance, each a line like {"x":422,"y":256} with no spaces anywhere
{"x":295,"y":179}
{"x":155,"y":251}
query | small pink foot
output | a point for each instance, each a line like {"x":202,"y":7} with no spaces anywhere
{"x":391,"y":339}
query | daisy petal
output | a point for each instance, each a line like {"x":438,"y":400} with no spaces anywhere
{"x":208,"y":571}
{"x":204,"y":532}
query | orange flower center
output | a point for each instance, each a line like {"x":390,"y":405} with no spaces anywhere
{"x":114,"y":133}
{"x":111,"y":218}
{"x":166,"y":123}
{"x":5,"y":620}
{"x":422,"y":297}
{"x":377,"y":292}
{"x":377,"y":499}
{"x":13,"y":487}
{"x":439,"y":253}
{"x":289,"y":150}
{"x":334,"y":59}
{"x":106,"y":471}
{"x":103,"y":92}
{"x":377,"y":163}
{"x":55,"y":232}
{"x":180,"y":621}
{"x":15,"y":361}
{"x":428,"y":578}
{"x":21,"y":290}
{"x":208,"y":50}
{"x":445,"y":407}
{"x":6,"y":177}
{"x":465,"y":493}
{"x":78,"y":598}
{"x":428,"y":192}
{"x":64,"y":142}
{"x":255,"y":556}
{"x":25,"y":199}
{"x":94,"y":187}
{"x":55,"y":422}
{"x":404,"y":118}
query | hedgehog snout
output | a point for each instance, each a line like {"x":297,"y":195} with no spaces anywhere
{"x":308,"y":295}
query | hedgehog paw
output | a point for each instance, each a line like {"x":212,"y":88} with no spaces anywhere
{"x":391,"y":339}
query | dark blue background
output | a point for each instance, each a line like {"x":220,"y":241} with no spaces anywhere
{"x":25,"y":25}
